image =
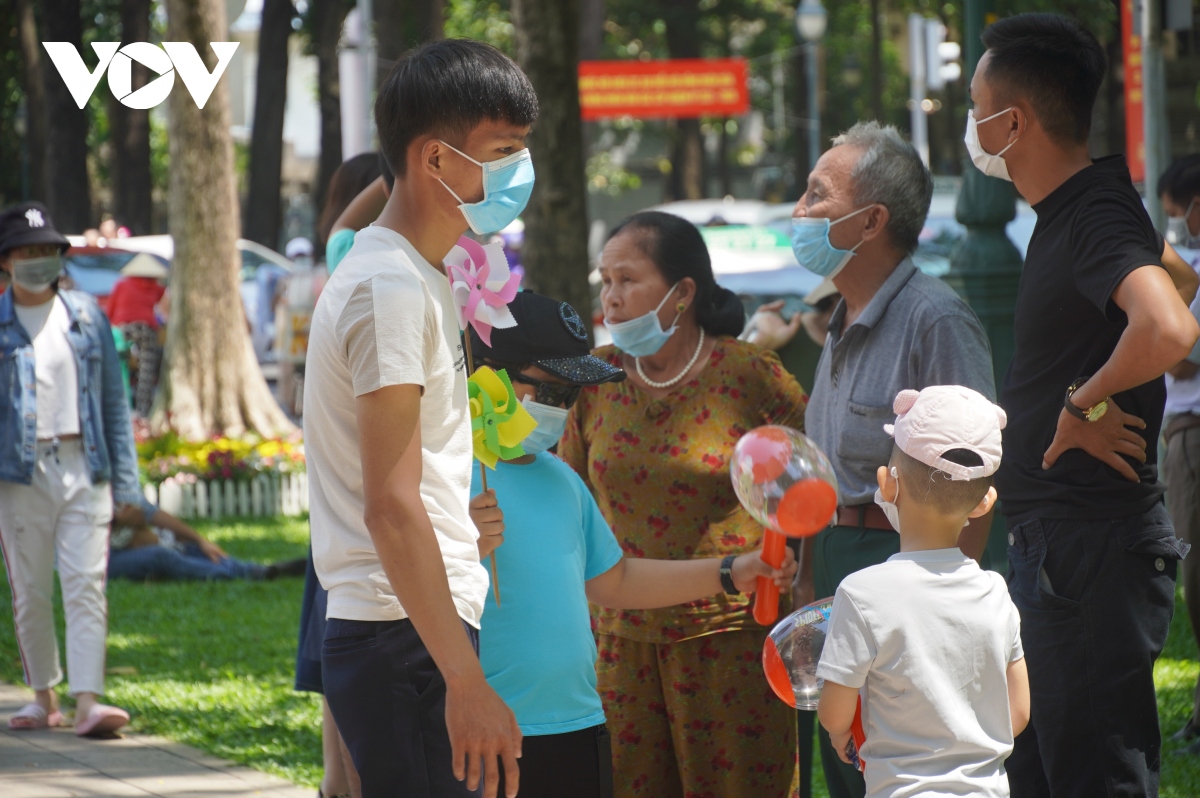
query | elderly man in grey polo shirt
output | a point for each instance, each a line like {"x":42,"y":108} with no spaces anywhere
{"x":894,"y":328}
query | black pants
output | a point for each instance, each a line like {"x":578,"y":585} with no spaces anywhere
{"x":1096,"y":599}
{"x":576,"y":764}
{"x":389,"y":701}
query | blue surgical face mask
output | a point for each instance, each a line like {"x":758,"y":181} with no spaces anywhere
{"x":507,"y":184}
{"x":643,"y":336}
{"x":551,"y":423}
{"x":810,"y":243}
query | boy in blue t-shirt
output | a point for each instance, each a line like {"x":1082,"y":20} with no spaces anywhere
{"x":537,"y":649}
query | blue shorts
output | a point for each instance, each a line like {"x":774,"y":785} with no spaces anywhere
{"x":312,"y":632}
{"x":389,"y":701}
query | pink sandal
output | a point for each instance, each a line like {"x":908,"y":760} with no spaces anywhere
{"x":34,"y":716}
{"x":102,"y":719}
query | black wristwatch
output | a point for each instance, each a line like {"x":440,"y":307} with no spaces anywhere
{"x":1093,"y":413}
{"x":727,"y":575}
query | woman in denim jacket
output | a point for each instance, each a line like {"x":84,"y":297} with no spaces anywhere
{"x":66,"y":453}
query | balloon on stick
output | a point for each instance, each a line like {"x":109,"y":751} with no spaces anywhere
{"x":791,"y":653}
{"x":787,"y":484}
{"x":790,"y":656}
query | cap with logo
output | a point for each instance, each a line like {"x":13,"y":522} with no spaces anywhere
{"x":28,"y":224}
{"x":941,"y":418}
{"x":551,"y":335}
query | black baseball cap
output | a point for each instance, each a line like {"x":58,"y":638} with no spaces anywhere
{"x":26,"y":224}
{"x":549,"y":334}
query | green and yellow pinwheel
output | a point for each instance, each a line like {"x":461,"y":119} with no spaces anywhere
{"x":498,"y":421}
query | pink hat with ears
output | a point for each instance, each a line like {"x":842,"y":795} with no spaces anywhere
{"x":940,"y":418}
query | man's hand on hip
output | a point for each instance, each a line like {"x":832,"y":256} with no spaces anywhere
{"x":1105,"y":439}
{"x":482,"y":728}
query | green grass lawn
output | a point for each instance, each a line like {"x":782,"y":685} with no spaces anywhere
{"x":213,"y":662}
{"x":211,"y":665}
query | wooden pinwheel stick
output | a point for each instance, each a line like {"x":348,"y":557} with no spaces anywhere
{"x":482,"y":467}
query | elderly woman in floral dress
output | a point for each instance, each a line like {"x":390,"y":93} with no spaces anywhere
{"x":684,"y":694}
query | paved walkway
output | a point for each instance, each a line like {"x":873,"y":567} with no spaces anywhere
{"x":55,"y":763}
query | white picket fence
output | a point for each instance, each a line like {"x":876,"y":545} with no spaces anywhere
{"x":265,"y":495}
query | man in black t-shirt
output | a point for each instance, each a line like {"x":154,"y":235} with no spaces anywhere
{"x":1099,"y":319}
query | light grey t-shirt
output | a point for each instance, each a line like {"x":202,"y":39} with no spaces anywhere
{"x":926,"y":638}
{"x":915,"y":332}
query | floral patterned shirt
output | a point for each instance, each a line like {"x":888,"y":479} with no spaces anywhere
{"x":659,"y":469}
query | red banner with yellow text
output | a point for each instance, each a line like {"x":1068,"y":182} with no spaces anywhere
{"x":677,"y":88}
{"x":1135,"y":136}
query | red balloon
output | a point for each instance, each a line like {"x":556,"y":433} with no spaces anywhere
{"x":768,"y":449}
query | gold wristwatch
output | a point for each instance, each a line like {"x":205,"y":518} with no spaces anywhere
{"x":1093,"y":413}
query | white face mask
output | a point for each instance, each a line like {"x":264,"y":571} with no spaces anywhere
{"x":889,"y":507}
{"x":1178,"y":232}
{"x":551,"y":423}
{"x":990,"y":165}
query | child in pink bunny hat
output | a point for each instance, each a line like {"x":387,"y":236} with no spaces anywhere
{"x":928,"y":640}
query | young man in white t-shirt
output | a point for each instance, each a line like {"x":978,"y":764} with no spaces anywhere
{"x":388,"y":437}
{"x":930,"y":642}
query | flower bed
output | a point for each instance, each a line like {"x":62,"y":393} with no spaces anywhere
{"x":246,"y":476}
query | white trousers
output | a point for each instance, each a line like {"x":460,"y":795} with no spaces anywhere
{"x":62,"y":513}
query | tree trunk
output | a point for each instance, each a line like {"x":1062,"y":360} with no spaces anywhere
{"x":327,"y":20}
{"x":130,"y":133}
{"x":264,"y":213}
{"x":687,"y":145}
{"x":211,"y":381}
{"x":35,"y":99}
{"x":723,"y":168}
{"x":591,"y":30}
{"x":800,"y":134}
{"x":687,"y":161}
{"x":69,"y":193}
{"x":876,"y":64}
{"x":556,"y":229}
{"x":401,"y":25}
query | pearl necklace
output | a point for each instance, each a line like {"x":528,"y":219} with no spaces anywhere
{"x":637,"y":361}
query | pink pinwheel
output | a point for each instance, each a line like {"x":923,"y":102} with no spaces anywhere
{"x":482,"y":287}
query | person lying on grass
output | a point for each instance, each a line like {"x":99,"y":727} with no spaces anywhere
{"x":164,"y":548}
{"x":536,"y":646}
